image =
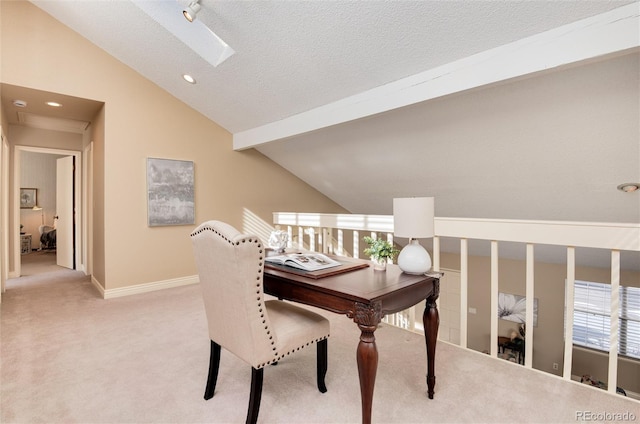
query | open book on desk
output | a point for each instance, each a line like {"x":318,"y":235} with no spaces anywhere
{"x":304,"y":261}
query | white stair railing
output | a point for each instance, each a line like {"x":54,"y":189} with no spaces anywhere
{"x":615,"y":237}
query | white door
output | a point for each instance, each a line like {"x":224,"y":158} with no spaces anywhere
{"x":65,"y":212}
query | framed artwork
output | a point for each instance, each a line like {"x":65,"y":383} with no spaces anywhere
{"x":28,"y":198}
{"x":512,"y":307}
{"x":170,"y":192}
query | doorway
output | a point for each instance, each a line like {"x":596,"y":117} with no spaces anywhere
{"x":39,"y":167}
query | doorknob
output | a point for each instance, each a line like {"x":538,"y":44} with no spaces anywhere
{"x":55,"y":217}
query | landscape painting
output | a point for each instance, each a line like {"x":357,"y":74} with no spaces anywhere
{"x":170,"y":190}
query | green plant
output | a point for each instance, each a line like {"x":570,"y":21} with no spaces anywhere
{"x":379,"y":248}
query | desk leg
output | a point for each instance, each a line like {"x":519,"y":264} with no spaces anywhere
{"x":431,"y":321}
{"x":367,"y":317}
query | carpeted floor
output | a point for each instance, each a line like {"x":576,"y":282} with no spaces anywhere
{"x":39,"y":262}
{"x":69,"y":356}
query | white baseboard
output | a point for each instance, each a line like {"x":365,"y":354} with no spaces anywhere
{"x":144,"y":288}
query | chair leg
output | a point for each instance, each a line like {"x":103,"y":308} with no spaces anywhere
{"x":322,"y":364}
{"x":214,"y":365}
{"x":255,"y":396}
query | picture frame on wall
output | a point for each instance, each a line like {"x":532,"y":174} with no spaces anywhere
{"x":512,"y":307}
{"x":170,"y":192}
{"x":28,"y":198}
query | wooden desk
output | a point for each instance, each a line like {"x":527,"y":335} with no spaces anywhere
{"x":366,"y":296}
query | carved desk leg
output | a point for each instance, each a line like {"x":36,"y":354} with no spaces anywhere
{"x":367,"y":317}
{"x":431,"y":321}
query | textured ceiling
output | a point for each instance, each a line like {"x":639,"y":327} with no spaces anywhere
{"x":293,"y":56}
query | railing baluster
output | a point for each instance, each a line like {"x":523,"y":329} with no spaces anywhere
{"x":570,"y":298}
{"x":340,"y":250}
{"x":356,"y":244}
{"x":464,"y":280}
{"x":436,"y":253}
{"x":312,"y":239}
{"x":528,"y":354}
{"x":494,"y":298}
{"x":612,"y":381}
{"x":300,"y":238}
{"x":326,"y":240}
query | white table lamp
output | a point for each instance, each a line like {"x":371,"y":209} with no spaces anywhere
{"x":413,"y":218}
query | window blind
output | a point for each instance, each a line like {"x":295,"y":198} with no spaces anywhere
{"x":592,"y":317}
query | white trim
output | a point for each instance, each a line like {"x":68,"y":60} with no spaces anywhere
{"x":98,"y":286}
{"x":17,"y":155}
{"x":591,"y":38}
{"x":599,"y":235}
{"x":146,"y":287}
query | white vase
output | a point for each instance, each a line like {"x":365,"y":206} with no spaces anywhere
{"x":379,"y":264}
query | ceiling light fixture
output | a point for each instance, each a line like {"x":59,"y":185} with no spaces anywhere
{"x":629,"y":187}
{"x":188,"y":78}
{"x":191,"y":11}
{"x":195,"y":35}
{"x":54,"y":104}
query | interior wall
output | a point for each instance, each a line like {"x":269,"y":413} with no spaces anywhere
{"x":548,"y":336}
{"x":141,"y":121}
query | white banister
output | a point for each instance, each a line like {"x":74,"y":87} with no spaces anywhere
{"x":529,"y":281}
{"x":599,"y":235}
{"x":615,"y":313}
{"x":569,"y":302}
{"x":494,"y":298}
{"x":616,"y":237}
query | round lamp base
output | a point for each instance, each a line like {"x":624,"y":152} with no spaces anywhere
{"x":414,"y":259}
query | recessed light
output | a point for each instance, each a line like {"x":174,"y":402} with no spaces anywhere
{"x":20,"y":103}
{"x":188,"y":78}
{"x":54,"y":104}
{"x":629,"y":187}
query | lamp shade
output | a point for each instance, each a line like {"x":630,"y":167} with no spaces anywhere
{"x":413,"y":217}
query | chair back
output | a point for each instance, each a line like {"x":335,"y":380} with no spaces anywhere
{"x":231,"y":266}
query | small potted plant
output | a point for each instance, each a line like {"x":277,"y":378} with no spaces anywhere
{"x":380,"y":251}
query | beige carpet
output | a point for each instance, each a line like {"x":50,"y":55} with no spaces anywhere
{"x":39,"y":262}
{"x":69,"y":356}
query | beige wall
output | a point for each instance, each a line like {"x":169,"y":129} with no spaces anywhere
{"x":139,"y":120}
{"x":548,"y":336}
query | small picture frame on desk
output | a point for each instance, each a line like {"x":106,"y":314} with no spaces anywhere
{"x":28,"y":198}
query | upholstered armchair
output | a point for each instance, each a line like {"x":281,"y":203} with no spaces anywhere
{"x":230,"y":266}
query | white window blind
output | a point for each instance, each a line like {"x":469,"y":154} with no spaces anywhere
{"x":592,"y":312}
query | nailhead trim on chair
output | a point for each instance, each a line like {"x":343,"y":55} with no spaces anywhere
{"x":258,"y":292}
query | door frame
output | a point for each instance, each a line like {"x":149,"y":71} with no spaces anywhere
{"x":4,"y":211}
{"x":79,"y":211}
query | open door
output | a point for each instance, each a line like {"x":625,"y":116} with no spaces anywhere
{"x":65,"y":212}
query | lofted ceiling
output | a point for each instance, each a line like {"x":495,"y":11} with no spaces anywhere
{"x":298,"y":62}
